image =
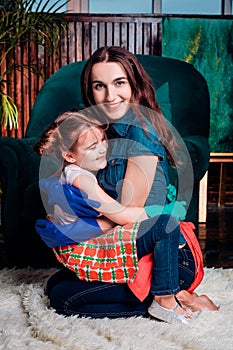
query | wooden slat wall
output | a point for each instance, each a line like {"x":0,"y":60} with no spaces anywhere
{"x":139,"y":34}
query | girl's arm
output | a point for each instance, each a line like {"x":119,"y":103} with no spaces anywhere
{"x":109,"y":207}
{"x":139,"y":177}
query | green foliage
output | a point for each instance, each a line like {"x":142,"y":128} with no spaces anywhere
{"x":208,"y":45}
{"x":8,"y":112}
{"x":20,"y":21}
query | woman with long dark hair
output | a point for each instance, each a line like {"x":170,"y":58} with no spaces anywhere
{"x":117,"y":89}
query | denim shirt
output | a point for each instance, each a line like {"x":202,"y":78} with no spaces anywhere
{"x":127,"y":139}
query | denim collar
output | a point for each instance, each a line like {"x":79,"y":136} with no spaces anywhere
{"x":122,"y":125}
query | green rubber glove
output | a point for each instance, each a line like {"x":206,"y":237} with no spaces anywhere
{"x":171,"y":193}
{"x":177,"y":209}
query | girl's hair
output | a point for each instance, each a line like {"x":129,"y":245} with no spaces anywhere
{"x":63,"y":134}
{"x":143,"y":94}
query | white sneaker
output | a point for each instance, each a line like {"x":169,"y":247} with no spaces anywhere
{"x":167,"y":315}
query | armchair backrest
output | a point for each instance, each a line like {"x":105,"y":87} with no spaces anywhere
{"x":181,"y":91}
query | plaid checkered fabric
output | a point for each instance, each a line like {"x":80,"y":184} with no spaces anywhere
{"x":111,"y":257}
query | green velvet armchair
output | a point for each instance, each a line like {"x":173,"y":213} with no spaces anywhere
{"x":184,"y":98}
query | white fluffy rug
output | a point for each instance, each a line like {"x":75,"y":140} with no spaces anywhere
{"x":27,"y":322}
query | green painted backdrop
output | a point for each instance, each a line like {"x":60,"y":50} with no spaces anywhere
{"x":208,"y":45}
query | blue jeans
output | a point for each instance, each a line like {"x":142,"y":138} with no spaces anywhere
{"x":160,"y":235}
{"x":70,"y":296}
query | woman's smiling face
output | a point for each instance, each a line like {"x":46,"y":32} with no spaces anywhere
{"x":111,"y":88}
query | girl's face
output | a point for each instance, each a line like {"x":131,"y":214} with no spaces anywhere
{"x":111,"y":88}
{"x":90,"y":152}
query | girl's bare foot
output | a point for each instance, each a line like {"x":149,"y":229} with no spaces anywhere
{"x":195,"y":302}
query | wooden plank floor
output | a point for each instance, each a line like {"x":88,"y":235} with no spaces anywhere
{"x":216,"y":237}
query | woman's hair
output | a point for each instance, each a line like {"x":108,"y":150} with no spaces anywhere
{"x":143,"y":94}
{"x":63,"y":134}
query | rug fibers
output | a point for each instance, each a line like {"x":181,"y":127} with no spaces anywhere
{"x":27,"y":321}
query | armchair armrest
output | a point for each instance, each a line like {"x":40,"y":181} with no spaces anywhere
{"x":198,"y":147}
{"x":17,"y":160}
{"x":18,"y":167}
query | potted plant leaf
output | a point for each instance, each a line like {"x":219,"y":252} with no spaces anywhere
{"x":41,"y":21}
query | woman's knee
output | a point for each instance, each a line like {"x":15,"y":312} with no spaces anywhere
{"x":57,"y":277}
